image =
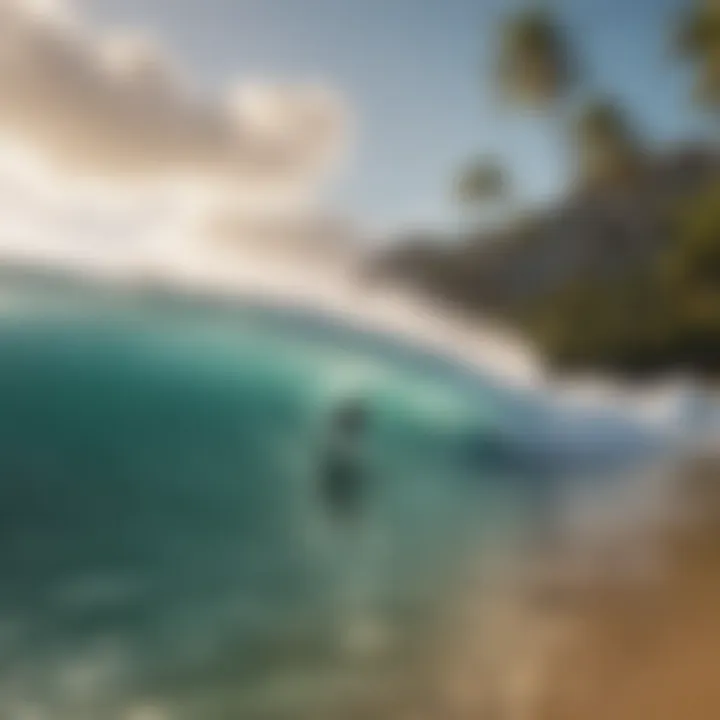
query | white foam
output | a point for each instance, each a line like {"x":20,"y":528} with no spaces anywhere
{"x":335,"y":288}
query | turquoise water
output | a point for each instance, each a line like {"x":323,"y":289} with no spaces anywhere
{"x":163,"y":540}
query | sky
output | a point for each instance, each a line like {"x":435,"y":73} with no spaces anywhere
{"x":414,"y":74}
{"x":156,"y":125}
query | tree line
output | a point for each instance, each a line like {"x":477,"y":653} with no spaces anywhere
{"x":665,"y":314}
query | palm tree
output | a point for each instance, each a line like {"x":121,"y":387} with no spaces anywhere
{"x":699,"y":41}
{"x":480,"y":181}
{"x":535,"y":67}
{"x":607,"y":148}
{"x":479,"y":185}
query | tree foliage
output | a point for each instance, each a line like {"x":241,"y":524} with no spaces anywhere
{"x":536,"y":67}
{"x":699,"y":41}
{"x":662,"y":317}
{"x":659,"y":313}
{"x":480,"y":182}
{"x":607,"y":147}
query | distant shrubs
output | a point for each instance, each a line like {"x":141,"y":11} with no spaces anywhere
{"x":665,"y":316}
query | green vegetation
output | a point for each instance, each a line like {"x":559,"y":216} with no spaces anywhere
{"x":480,"y":186}
{"x":536,"y":67}
{"x":662,"y":317}
{"x":699,"y":41}
{"x":662,"y":313}
{"x":649,"y":298}
{"x":535,"y":70}
{"x":607,"y":148}
{"x":480,"y":182}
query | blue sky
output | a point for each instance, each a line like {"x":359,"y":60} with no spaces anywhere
{"x":414,"y":73}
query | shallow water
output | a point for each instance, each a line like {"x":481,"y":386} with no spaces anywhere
{"x":164,"y":549}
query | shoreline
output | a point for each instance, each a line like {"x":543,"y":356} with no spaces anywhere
{"x":652,"y":650}
{"x":533,"y":632}
{"x":611,"y":646}
{"x":338,"y":295}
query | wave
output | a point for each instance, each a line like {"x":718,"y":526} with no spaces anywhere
{"x":578,"y":432}
{"x":678,"y":406}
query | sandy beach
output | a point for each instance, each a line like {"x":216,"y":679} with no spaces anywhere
{"x":643,"y":648}
{"x":653,"y":652}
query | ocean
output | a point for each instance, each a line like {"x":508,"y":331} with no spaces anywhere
{"x":166,"y":550}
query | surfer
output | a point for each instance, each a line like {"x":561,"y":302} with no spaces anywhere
{"x":342,"y":475}
{"x":343,"y":486}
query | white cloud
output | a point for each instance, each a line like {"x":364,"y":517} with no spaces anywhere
{"x":117,"y":106}
{"x":107,"y":147}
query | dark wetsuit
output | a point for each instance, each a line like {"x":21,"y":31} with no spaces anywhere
{"x":342,"y":475}
{"x":342,"y":485}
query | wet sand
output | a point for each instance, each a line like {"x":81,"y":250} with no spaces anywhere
{"x":652,"y":652}
{"x":645,"y":647}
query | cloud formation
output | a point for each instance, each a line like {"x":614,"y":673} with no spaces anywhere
{"x":118,"y":108}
